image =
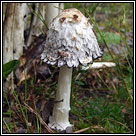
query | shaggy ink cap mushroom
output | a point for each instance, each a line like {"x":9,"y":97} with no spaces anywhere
{"x":70,"y":40}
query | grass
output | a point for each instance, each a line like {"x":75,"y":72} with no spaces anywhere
{"x":100,"y":112}
{"x":101,"y":99}
{"x":105,"y":112}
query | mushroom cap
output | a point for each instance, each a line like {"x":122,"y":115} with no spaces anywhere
{"x":70,"y":40}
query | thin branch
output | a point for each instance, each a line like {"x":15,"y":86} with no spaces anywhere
{"x":82,"y":130}
{"x":99,"y":65}
{"x":85,"y":129}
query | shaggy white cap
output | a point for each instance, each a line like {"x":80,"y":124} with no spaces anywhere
{"x":70,"y":40}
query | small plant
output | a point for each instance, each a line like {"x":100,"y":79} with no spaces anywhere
{"x":9,"y":67}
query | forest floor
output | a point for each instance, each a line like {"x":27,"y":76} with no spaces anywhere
{"x":101,"y":99}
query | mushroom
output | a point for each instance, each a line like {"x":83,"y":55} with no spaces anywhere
{"x":70,"y":42}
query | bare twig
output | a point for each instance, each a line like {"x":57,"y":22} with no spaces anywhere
{"x":40,"y":118}
{"x":97,"y":65}
{"x":94,"y":127}
{"x":81,"y":130}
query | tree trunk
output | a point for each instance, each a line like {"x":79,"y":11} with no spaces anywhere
{"x":52,"y":10}
{"x":61,"y":7}
{"x":8,"y":33}
{"x":13,"y":31}
{"x":13,"y":35}
{"x":18,"y":30}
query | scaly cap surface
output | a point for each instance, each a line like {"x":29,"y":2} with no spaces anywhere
{"x":70,"y":40}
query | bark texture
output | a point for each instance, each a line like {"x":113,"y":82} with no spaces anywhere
{"x":13,"y":31}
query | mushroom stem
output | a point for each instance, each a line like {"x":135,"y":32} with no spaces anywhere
{"x":60,"y":118}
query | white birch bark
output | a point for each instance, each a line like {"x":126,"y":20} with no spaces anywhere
{"x":18,"y":30}
{"x":13,"y":35}
{"x":13,"y":32}
{"x":8,"y":41}
{"x":52,"y":10}
{"x":61,"y":7}
{"x":8,"y":33}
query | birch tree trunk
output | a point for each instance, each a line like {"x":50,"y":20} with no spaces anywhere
{"x":52,"y":10}
{"x":8,"y":41}
{"x":61,"y":7}
{"x":13,"y":35}
{"x":13,"y":31}
{"x":18,"y":30}
{"x":8,"y":33}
